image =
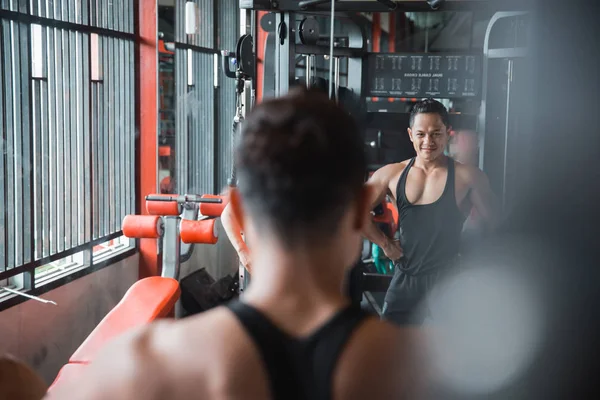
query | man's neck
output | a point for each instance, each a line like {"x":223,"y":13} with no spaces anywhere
{"x":430,"y":165}
{"x":299,"y":280}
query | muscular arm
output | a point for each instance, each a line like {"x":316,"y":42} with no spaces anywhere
{"x":378,"y":188}
{"x":483,"y":199}
{"x":233,"y":230}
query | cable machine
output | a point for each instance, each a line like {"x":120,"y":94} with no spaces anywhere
{"x":294,"y":34}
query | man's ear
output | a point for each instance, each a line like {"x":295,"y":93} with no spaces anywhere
{"x":235,"y":200}
{"x":363,"y":214}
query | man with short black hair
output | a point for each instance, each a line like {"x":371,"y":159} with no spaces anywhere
{"x":433,"y":193}
{"x":293,"y":334}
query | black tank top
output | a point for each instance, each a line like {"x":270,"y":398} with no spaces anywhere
{"x":429,"y":233}
{"x":299,"y":369}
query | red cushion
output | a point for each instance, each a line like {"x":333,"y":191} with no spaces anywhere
{"x":145,"y":301}
{"x":68,"y":373}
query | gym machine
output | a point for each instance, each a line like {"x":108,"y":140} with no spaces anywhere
{"x":294,"y":34}
{"x":174,"y":221}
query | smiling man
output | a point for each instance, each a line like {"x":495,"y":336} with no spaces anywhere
{"x":433,"y":194}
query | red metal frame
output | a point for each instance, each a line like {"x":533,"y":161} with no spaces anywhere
{"x":260,"y":56}
{"x":147,"y":159}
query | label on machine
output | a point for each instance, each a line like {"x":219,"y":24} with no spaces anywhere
{"x":424,"y":75}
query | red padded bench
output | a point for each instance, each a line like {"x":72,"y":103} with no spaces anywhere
{"x":145,"y":301}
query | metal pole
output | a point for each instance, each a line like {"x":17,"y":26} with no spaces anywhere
{"x":284,"y":52}
{"x":331,"y":38}
{"x":171,"y":248}
{"x":337,"y":79}
{"x":506,"y":129}
{"x":308,"y":70}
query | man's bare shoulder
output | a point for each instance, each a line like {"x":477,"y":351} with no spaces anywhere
{"x":390,"y":170}
{"x":121,"y":371}
{"x":193,"y":357}
{"x":381,"y":361}
{"x":389,"y":174}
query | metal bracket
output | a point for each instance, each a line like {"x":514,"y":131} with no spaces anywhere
{"x":171,"y":253}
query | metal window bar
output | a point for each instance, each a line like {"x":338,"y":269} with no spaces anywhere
{"x":93,"y":13}
{"x":60,"y":129}
{"x":3,"y":151}
{"x":45,"y":131}
{"x":110,"y":14}
{"x":18,"y":133}
{"x":73,"y":136}
{"x":94,"y":148}
{"x":110,"y":77}
{"x":9,"y":139}
{"x":116,"y":134}
{"x":132,"y":131}
{"x":86,"y":146}
{"x":129,"y":187}
{"x":37,"y":161}
{"x":82,"y":136}
{"x":66,"y":150}
{"x":121,"y":119}
{"x":105,"y":160}
{"x":52,"y":131}
{"x":102,"y":204}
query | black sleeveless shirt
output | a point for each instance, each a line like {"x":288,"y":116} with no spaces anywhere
{"x":429,"y":233}
{"x":299,"y":369}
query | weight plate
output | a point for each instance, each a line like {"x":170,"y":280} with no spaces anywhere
{"x":267,"y":22}
{"x":245,"y":55}
{"x":309,"y":31}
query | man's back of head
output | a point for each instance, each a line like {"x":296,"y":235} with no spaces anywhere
{"x":301,"y":163}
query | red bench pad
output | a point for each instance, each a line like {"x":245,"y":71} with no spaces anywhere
{"x":146,"y":300}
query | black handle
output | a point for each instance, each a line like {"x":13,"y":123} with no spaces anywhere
{"x":226,"y":57}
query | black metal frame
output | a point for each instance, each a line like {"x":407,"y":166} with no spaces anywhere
{"x":27,"y":268}
{"x":376,"y":6}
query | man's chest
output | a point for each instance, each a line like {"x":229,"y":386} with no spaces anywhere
{"x":420,"y":189}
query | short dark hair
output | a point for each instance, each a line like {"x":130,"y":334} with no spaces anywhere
{"x":301,"y":162}
{"x":429,"y":106}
